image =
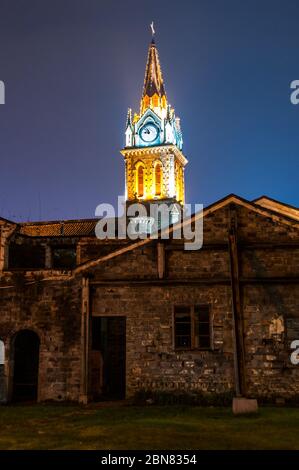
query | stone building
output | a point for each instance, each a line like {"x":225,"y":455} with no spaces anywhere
{"x":83,"y":318}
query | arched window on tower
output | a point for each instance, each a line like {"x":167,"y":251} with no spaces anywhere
{"x":179,"y":176}
{"x":181,"y":173}
{"x":158,"y":179}
{"x":140,"y":181}
{"x":177,"y":180}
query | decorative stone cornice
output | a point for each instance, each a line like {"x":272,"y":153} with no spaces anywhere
{"x":149,"y":152}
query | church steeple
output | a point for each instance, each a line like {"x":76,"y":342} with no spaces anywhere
{"x":153,"y":151}
{"x":153,"y":95}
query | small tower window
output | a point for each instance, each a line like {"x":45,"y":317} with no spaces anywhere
{"x":158,"y":179}
{"x":140,"y":181}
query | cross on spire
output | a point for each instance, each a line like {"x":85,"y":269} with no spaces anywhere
{"x":152,"y":28}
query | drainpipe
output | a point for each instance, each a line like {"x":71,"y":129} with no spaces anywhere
{"x":84,"y":341}
{"x":237,"y":318}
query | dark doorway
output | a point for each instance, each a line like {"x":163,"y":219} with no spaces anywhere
{"x":109,"y":340}
{"x":26,"y":359}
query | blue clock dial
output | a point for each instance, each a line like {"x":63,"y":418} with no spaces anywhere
{"x":149,"y":132}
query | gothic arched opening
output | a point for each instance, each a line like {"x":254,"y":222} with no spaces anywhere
{"x":26,"y":362}
{"x":140,"y":181}
{"x":158,"y":179}
{"x":2,"y":352}
{"x":2,"y":373}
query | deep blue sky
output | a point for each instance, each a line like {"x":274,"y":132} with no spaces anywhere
{"x":72,"y":68}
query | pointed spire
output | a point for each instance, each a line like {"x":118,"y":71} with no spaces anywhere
{"x":153,"y":31}
{"x":129,"y":118}
{"x":153,"y":95}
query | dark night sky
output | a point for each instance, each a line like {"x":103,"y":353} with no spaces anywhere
{"x":72,"y":68}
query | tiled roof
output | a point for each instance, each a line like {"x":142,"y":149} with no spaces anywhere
{"x":66,"y":228}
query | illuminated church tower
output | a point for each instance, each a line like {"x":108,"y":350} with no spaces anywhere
{"x":154,"y":162}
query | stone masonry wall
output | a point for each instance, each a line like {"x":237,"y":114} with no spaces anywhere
{"x":152,"y":362}
{"x":129,"y":285}
{"x":53,"y":310}
{"x":268,"y":310}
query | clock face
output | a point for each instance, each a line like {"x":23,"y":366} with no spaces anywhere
{"x":149,"y":132}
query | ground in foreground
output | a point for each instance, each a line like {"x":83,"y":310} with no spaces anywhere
{"x":151,"y":427}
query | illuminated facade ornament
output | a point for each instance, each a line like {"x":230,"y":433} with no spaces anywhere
{"x":153,"y":147}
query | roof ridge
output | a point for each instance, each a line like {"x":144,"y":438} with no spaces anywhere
{"x":277,"y":201}
{"x":211,"y":208}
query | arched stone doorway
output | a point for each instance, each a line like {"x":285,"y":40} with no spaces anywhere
{"x":26,"y":361}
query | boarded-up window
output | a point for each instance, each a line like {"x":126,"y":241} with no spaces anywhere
{"x":192,"y":327}
{"x":26,"y":256}
{"x":63,"y":257}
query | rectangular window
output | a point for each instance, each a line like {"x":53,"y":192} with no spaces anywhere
{"x":192,"y":327}
{"x":182,"y":321}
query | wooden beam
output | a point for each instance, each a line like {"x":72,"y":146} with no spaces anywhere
{"x":268,"y":246}
{"x":178,"y":245}
{"x":160,"y":282}
{"x":242,"y":245}
{"x":270,"y":280}
{"x":193,"y":281}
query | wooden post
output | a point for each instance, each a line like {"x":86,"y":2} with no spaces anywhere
{"x":161,"y":260}
{"x":237,"y":316}
{"x":84,"y":340}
